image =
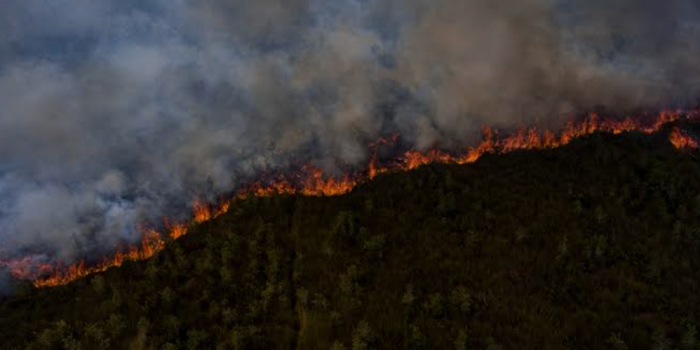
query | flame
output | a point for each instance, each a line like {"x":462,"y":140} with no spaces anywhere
{"x":311,"y":181}
{"x":681,"y":140}
{"x":202,"y":213}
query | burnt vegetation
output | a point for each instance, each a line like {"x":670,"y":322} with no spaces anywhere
{"x":595,"y":245}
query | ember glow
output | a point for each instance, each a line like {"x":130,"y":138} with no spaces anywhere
{"x":311,"y":181}
{"x":681,"y":140}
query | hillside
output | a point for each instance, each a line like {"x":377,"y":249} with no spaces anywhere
{"x":594,"y":245}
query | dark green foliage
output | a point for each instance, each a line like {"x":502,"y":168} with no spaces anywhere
{"x":592,"y":246}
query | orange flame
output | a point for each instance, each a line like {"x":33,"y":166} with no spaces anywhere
{"x":203,"y":212}
{"x":681,"y":140}
{"x":151,"y":243}
{"x":311,"y":181}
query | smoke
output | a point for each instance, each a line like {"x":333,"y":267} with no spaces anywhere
{"x":117,"y":112}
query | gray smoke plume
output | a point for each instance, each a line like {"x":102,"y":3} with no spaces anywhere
{"x":115,"y":112}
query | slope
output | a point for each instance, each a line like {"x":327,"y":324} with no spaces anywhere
{"x":592,"y":245}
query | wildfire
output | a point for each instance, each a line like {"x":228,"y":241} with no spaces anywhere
{"x":681,"y":140}
{"x":202,"y":213}
{"x":311,"y":181}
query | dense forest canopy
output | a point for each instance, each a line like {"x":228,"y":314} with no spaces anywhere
{"x":590,"y":246}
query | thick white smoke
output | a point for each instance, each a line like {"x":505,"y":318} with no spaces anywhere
{"x":114,"y":112}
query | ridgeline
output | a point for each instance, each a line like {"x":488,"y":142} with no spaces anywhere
{"x":594,"y":245}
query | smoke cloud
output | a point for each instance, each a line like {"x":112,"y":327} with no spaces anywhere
{"x":118,"y":112}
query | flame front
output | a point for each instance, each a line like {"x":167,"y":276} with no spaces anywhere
{"x":311,"y":181}
{"x":681,"y":140}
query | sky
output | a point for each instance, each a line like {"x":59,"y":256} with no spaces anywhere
{"x":114,"y":112}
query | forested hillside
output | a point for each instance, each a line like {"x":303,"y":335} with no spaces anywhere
{"x":595,"y":245}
